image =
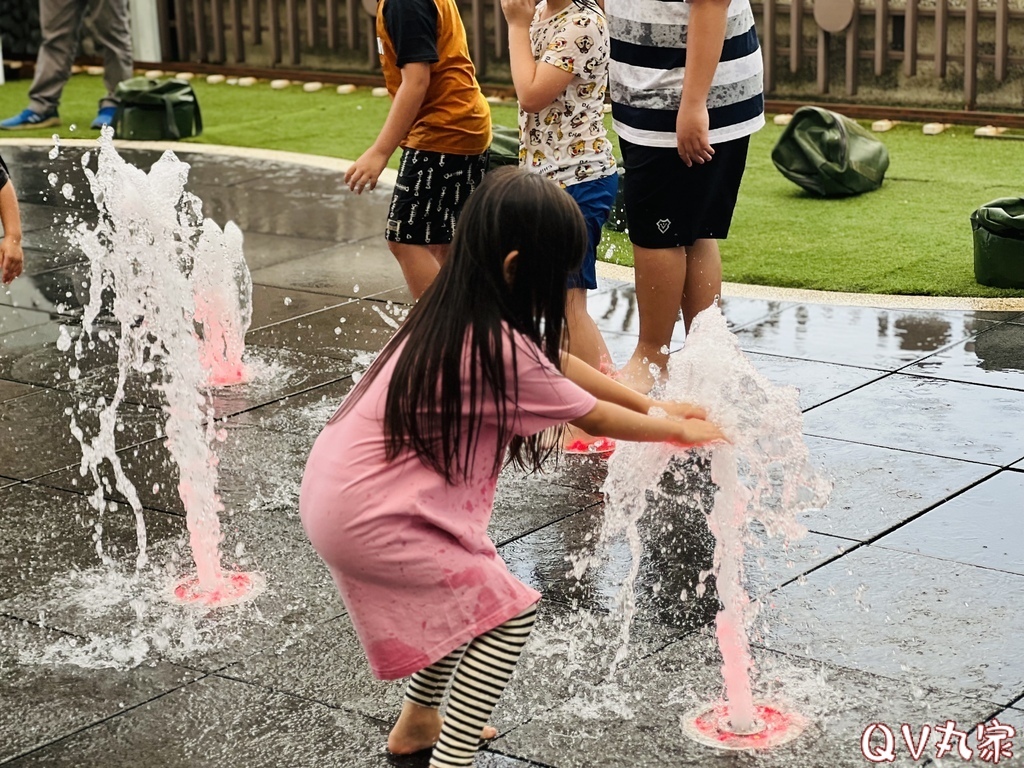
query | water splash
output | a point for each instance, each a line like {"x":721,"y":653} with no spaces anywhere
{"x":761,"y":482}
{"x":223,"y":303}
{"x":149,"y":245}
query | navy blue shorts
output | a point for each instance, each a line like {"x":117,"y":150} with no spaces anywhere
{"x":595,"y":199}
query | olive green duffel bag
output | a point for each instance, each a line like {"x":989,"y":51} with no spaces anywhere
{"x":999,"y":243}
{"x":504,"y":146}
{"x":154,"y":110}
{"x":829,"y":154}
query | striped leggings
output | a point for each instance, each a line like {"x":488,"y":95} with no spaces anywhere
{"x":478,"y":672}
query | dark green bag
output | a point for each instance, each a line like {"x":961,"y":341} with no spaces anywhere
{"x":154,"y":110}
{"x":504,"y":146}
{"x":999,"y":243}
{"x":829,"y":154}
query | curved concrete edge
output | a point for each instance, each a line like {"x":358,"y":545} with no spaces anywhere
{"x":803,"y":296}
{"x":386,"y":181}
{"x":604,"y":269}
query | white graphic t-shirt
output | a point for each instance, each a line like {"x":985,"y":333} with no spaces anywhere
{"x":567,"y":141}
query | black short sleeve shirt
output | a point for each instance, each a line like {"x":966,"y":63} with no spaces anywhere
{"x":4,"y":174}
{"x":412,"y":27}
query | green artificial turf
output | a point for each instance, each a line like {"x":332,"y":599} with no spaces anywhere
{"x":912,"y":236}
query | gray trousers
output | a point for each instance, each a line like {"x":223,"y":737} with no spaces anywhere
{"x":61,"y":22}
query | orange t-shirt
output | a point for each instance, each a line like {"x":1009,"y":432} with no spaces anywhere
{"x":455,"y":117}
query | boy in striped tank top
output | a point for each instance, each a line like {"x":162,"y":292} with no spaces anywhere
{"x":686,"y":86}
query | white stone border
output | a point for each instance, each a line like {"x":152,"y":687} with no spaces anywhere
{"x":606,"y":270}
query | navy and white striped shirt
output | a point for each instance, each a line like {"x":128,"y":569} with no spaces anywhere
{"x":648,"y":63}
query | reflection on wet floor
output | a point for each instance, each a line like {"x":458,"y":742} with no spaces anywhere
{"x":902,"y":605}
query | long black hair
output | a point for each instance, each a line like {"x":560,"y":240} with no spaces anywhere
{"x":474,"y":302}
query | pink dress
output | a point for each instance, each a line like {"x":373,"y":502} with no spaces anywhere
{"x":409,"y":553}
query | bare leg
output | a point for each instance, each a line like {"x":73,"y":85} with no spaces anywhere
{"x":586,"y":343}
{"x":660,"y":278}
{"x":419,"y":266}
{"x":585,"y":339}
{"x":703,"y":279}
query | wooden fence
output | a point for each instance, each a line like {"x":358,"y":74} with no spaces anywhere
{"x":945,"y":42}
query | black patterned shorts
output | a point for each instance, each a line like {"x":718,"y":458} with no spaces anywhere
{"x":431,"y":189}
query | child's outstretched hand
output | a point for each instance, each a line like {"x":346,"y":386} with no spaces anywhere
{"x":519,"y":12}
{"x":698,"y":432}
{"x":677,"y":409}
{"x":12,"y":259}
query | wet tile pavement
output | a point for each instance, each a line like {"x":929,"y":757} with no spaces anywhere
{"x":904,"y":604}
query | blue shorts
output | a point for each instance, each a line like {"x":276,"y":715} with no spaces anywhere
{"x":595,"y":199}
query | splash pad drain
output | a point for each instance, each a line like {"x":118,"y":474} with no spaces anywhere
{"x":771,"y":727}
{"x":232,"y":589}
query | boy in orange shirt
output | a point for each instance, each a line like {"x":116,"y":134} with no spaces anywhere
{"x":442,"y":122}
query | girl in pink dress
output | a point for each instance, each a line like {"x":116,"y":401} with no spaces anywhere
{"x":399,"y":487}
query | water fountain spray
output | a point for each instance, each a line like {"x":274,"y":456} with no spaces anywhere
{"x":150,"y":252}
{"x":763,"y":478}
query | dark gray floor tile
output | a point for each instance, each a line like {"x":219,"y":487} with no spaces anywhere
{"x":56,"y":535}
{"x":740,"y":312}
{"x":304,"y":414}
{"x":41,"y":703}
{"x":273,"y":373}
{"x":875,"y":489}
{"x":568,"y":655}
{"x":351,"y":271}
{"x":212,"y":170}
{"x":859,"y":336}
{"x":58,"y":182}
{"x":38,"y":216}
{"x":994,"y":357}
{"x":640,"y":724}
{"x":669,"y":570}
{"x":817,"y":382}
{"x":39,"y":260}
{"x":941,"y":418}
{"x":924,"y":621}
{"x":131,"y":617}
{"x":983,"y":526}
{"x":30,"y":451}
{"x":615,"y":311}
{"x":263,"y":249}
{"x":327,"y":665}
{"x":298,"y":180}
{"x":353,"y":332}
{"x":258,"y":470}
{"x":339,"y":218}
{"x":275,"y":305}
{"x":222,"y":722}
{"x":58,"y":292}
{"x":13,"y":319}
{"x":12,"y":389}
{"x":31,"y":355}
{"x":523,"y":504}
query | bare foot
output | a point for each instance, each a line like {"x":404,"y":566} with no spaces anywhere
{"x":637,"y":374}
{"x":419,"y":728}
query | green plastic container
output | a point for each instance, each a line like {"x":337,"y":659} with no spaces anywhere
{"x":999,"y":243}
